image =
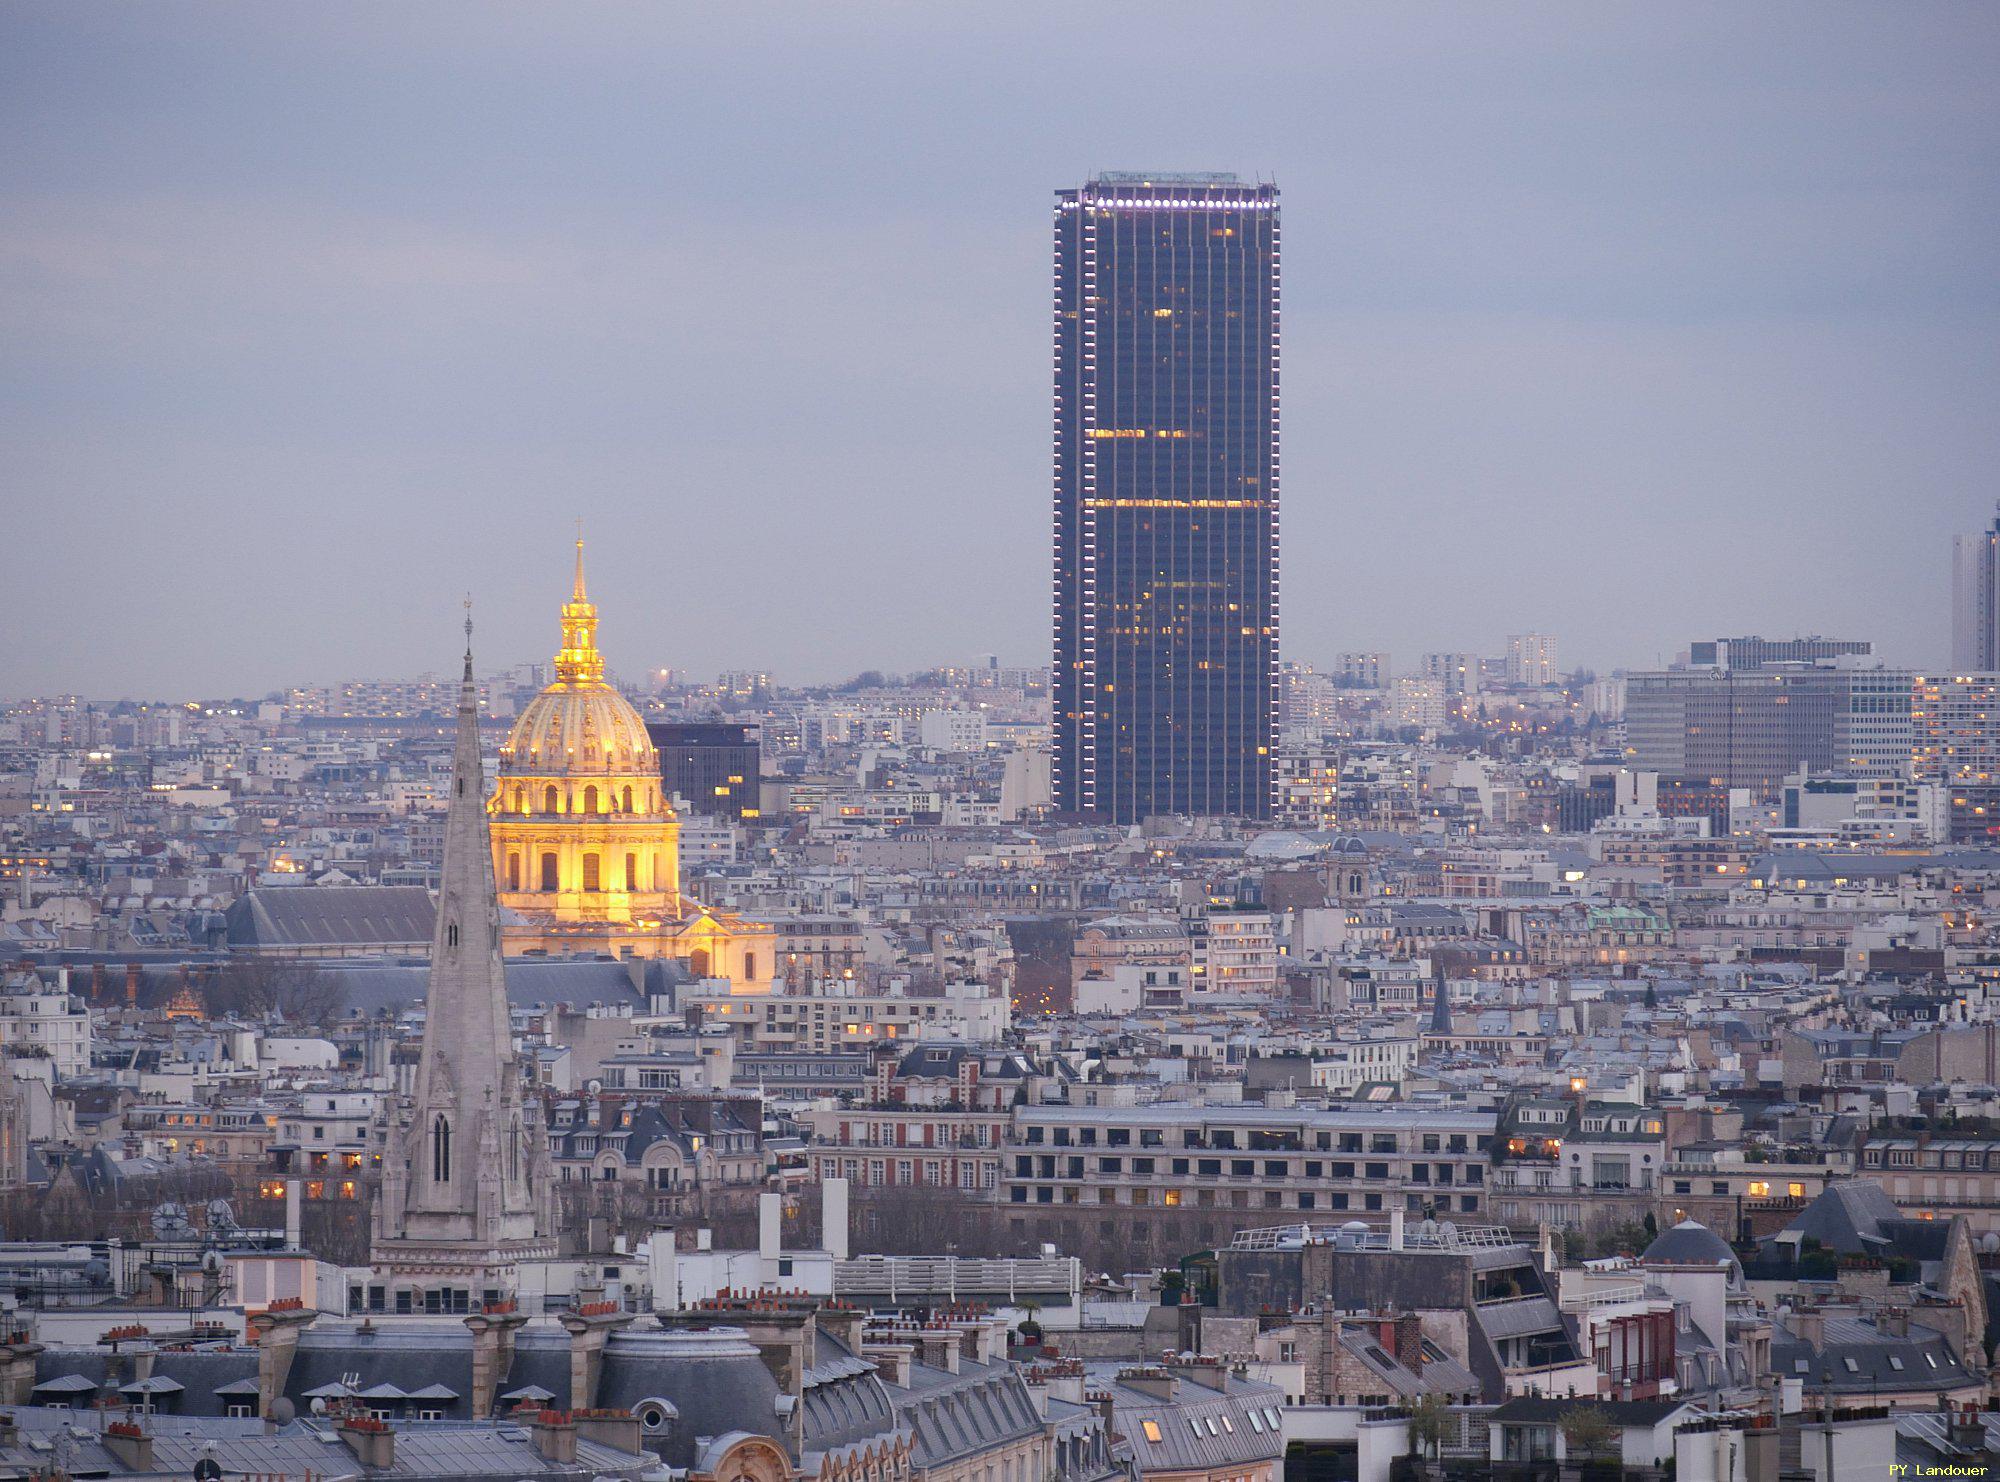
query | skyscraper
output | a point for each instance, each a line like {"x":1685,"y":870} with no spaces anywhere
{"x":1975,"y":601}
{"x":1166,"y":496}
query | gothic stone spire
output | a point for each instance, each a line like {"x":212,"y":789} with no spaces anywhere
{"x":459,"y":1163}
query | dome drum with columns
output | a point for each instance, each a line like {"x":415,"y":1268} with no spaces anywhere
{"x":586,"y":846}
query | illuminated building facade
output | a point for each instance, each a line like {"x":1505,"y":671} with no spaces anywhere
{"x":586,"y":845}
{"x":1956,"y":721}
{"x":1166,"y":496}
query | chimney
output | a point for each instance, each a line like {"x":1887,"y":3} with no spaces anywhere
{"x":618,"y":1429}
{"x":1893,"y":1322}
{"x":1202,"y":1369}
{"x":941,"y":1349}
{"x":1965,"y":1428}
{"x":1761,"y":1461}
{"x":893,"y":1359}
{"x":554,"y":1437}
{"x":1406,"y":1341}
{"x":1395,"y":1229}
{"x":292,"y":1214}
{"x":770,"y":1229}
{"x":1187,"y":1324}
{"x":128,"y":1441}
{"x":1157,"y":1383}
{"x":833,"y":1217}
{"x":371,"y":1441}
{"x":1809,"y":1327}
{"x":842,"y":1323}
{"x":704,"y":1239}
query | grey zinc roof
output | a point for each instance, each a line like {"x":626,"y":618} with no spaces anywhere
{"x":1180,"y":1448}
{"x":1923,"y":1360}
{"x":1517,"y":1319}
{"x":438,"y":1451}
{"x":955,"y":1415}
{"x":580,"y":982}
{"x":343,"y":916}
{"x":1691,"y":1243}
{"x":1847,"y":1216}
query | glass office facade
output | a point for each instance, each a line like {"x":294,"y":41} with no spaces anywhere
{"x":1166,"y":496}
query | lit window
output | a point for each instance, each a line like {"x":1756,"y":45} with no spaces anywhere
{"x":1151,"y":1428}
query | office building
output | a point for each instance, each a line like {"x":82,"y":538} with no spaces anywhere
{"x":1756,"y":653}
{"x":1975,"y":601}
{"x":714,"y":767}
{"x":1166,"y":496}
{"x":1753,"y":728}
{"x":1531,"y":660}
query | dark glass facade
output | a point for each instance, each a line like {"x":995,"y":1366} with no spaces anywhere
{"x":713,"y":766}
{"x":1166,"y":496}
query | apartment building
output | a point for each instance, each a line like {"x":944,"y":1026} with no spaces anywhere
{"x":40,"y":1018}
{"x":1235,"y":954}
{"x":936,"y":1117}
{"x":819,"y":1022}
{"x":1201,"y":1169}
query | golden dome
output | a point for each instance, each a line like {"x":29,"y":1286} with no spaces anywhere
{"x":579,"y":723}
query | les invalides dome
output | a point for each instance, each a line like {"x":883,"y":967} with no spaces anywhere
{"x":586,"y":846}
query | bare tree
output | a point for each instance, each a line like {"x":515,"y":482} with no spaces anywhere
{"x":259,"y":987}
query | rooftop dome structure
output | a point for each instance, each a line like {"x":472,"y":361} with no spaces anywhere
{"x":1691,"y":1243}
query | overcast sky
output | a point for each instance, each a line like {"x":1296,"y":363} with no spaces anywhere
{"x":1630,"y":323}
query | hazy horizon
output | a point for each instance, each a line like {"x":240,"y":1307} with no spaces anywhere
{"x":1629,"y":324}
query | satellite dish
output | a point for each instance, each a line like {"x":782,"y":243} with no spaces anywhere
{"x":283,"y":1411}
{"x":318,"y":1404}
{"x":170,"y":1222}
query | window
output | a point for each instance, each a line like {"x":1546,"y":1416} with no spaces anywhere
{"x":590,"y":799}
{"x":1151,"y":1428}
{"x":1896,"y":1363}
{"x":441,"y":1150}
{"x":549,"y":799}
{"x":513,"y":872}
{"x":549,"y":875}
{"x":1194,"y":1424}
{"x":590,"y":871}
